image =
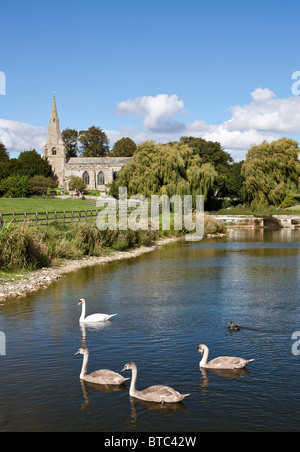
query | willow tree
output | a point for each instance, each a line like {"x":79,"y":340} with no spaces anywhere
{"x":271,"y":172}
{"x":170,"y":169}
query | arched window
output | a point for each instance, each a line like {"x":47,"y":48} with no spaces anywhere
{"x":101,"y":178}
{"x":54,"y":151}
{"x":86,"y":178}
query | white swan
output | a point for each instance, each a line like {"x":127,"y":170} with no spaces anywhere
{"x":161,"y":394}
{"x":100,"y":377}
{"x":222,"y":363}
{"x":94,"y":318}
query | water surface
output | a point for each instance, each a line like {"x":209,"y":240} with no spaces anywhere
{"x":168,"y":302}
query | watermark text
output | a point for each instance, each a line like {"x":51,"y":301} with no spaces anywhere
{"x":296,"y":84}
{"x":144,"y":214}
{"x":296,"y":344}
{"x":2,"y":84}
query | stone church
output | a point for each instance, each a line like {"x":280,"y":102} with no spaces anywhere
{"x":97,"y":172}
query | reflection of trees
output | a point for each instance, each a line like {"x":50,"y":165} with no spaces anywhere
{"x":259,"y":277}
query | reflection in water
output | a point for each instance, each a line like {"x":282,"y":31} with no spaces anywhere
{"x":236,"y":373}
{"x":102,"y":389}
{"x":168,"y":302}
{"x":91,"y":327}
{"x":166,"y":408}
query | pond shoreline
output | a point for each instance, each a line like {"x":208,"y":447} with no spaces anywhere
{"x":38,"y":279}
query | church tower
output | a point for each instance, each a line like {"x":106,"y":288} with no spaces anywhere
{"x":54,"y":149}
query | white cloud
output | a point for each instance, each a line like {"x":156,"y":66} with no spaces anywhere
{"x":158,"y":111}
{"x":262,"y":94}
{"x":20,"y":136}
{"x":268,"y":114}
{"x":265,"y":117}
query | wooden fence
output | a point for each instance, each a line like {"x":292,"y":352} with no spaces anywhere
{"x":46,"y":218}
{"x":66,"y":216}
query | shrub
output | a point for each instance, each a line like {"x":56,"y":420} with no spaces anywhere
{"x":23,"y":247}
{"x":287,"y":202}
{"x":14,"y":187}
{"x":39,"y":185}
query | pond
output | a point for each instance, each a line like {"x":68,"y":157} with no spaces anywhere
{"x":167,"y":302}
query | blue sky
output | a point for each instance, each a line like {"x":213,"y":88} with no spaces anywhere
{"x":151,"y":70}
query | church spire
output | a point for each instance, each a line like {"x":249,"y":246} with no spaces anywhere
{"x":54,"y":134}
{"x":54,"y":149}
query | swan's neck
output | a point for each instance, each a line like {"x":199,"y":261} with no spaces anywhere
{"x":84,"y":365}
{"x":132,"y":389}
{"x":204,"y":360}
{"x":82,"y":312}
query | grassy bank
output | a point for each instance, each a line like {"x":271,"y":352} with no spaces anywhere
{"x":28,"y":248}
{"x":21,"y":205}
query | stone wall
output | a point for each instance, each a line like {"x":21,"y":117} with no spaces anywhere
{"x":95,"y":170}
{"x":260,"y":221}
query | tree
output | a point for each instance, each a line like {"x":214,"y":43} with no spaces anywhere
{"x":235,"y":181}
{"x":166,"y":169}
{"x":39,"y":185}
{"x":125,"y":147}
{"x":32,"y":164}
{"x":70,"y":139}
{"x":4,"y":155}
{"x":271,"y":172}
{"x":29,"y":163}
{"x":78,"y":184}
{"x":212,"y":152}
{"x":94,"y":142}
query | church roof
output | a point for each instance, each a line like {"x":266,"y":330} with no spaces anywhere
{"x":99,"y":160}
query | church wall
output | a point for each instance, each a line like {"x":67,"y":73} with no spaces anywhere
{"x":93,"y":167}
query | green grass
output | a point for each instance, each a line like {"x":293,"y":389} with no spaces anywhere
{"x":294,"y":209}
{"x":13,"y":275}
{"x":31,"y":205}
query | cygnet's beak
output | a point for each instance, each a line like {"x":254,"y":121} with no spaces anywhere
{"x":123,"y":370}
{"x":77,"y":353}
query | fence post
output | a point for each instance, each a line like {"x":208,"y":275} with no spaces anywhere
{"x":37,"y":218}
{"x":47,"y":216}
{"x":1,"y":221}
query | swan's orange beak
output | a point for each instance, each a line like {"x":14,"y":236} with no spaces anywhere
{"x":79,"y":303}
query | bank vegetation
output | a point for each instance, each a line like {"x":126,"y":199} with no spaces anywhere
{"x":30,"y":248}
